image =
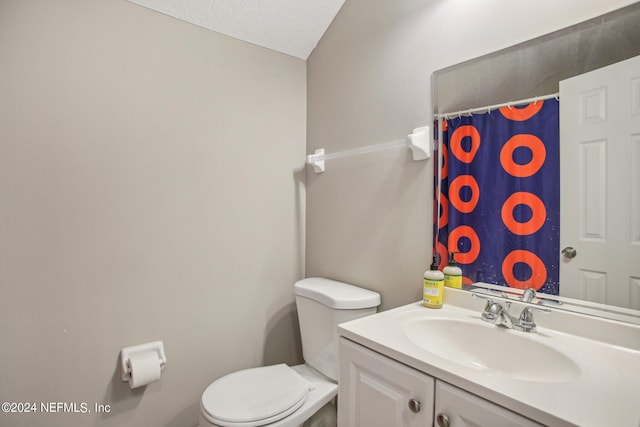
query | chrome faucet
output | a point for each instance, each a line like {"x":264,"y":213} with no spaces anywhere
{"x":498,"y":314}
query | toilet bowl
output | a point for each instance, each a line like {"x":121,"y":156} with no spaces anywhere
{"x":278,"y":395}
{"x":283,"y":396}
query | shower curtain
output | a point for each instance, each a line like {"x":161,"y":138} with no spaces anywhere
{"x":498,"y":205}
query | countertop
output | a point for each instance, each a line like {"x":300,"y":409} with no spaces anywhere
{"x":606,"y":392}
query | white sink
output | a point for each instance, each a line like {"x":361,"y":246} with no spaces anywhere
{"x":576,"y":370}
{"x":491,"y":349}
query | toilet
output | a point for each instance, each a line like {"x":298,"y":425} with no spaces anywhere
{"x":283,"y":396}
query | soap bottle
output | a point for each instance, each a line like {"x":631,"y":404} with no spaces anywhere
{"x":433,"y":286}
{"x":452,"y":273}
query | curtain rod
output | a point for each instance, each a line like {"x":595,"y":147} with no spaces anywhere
{"x":419,"y":142}
{"x":488,"y":109}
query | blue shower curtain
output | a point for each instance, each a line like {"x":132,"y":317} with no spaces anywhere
{"x":499,"y":204}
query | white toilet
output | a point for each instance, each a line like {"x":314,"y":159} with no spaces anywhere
{"x":283,"y":396}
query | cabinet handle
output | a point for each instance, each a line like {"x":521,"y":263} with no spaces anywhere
{"x":443,"y":420}
{"x":414,"y":405}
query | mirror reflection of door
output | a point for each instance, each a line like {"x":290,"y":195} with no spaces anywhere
{"x":600,"y":212}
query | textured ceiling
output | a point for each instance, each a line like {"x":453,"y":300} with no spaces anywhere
{"x":293,"y":27}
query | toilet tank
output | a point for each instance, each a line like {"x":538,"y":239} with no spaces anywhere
{"x":323,"y":304}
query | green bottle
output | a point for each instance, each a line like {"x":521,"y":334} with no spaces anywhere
{"x":452,"y":273}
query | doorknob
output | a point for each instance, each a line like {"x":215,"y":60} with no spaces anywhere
{"x":569,"y":252}
{"x":414,"y":405}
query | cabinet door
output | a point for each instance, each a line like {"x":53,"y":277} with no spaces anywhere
{"x":376,"y":391}
{"x":458,"y":408}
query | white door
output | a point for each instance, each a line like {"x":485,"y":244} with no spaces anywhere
{"x":375,"y":391}
{"x":600,"y":185}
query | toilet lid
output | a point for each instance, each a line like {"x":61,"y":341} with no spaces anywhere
{"x":254,"y":397}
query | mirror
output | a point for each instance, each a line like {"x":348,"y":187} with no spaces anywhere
{"x":535,"y":68}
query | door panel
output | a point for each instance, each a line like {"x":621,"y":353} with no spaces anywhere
{"x":600,"y":185}
{"x":376,"y":391}
{"x":463,"y":409}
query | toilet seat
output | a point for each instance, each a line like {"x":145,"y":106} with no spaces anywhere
{"x":254,"y":397}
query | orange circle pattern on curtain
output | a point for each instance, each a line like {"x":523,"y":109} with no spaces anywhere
{"x":500,"y":189}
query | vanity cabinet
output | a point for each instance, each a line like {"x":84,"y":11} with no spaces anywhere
{"x":455,"y":407}
{"x":376,"y":391}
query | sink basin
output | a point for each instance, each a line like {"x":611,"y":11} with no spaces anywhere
{"x":495,"y":350}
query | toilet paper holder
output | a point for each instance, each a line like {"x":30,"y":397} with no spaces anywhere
{"x":127,"y":353}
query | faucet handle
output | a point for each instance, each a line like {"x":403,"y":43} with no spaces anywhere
{"x":479,"y":295}
{"x":489,"y":299}
{"x":526,"y":321}
{"x":492,"y":311}
{"x":528,"y":295}
{"x":533,"y":307}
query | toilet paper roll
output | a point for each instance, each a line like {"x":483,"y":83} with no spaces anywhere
{"x":145,"y":369}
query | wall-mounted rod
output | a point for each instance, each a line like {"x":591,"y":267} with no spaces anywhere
{"x":418,"y":142}
{"x":490,"y":108}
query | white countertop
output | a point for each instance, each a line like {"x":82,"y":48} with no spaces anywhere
{"x":605,"y":393}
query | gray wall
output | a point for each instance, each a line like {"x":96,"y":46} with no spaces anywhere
{"x":369,"y":217}
{"x":147,"y":192}
{"x":151,"y":186}
{"x":537,"y":66}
